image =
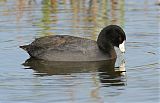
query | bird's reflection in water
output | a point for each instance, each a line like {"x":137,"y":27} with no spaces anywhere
{"x":108,"y":75}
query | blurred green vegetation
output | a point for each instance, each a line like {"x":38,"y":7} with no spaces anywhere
{"x":89,"y":16}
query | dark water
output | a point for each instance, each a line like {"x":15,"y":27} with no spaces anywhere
{"x":29,"y":81}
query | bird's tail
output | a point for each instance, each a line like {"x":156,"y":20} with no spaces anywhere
{"x":24,"y":47}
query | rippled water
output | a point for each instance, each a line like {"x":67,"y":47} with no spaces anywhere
{"x":23,"y":81}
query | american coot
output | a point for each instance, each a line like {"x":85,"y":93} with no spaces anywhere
{"x":71,"y":48}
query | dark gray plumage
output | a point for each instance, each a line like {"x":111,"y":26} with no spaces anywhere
{"x":70,"y":48}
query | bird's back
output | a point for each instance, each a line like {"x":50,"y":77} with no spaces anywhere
{"x":65,"y":48}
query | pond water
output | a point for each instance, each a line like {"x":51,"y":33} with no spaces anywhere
{"x":21,"y":21}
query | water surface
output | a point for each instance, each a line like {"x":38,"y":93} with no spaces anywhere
{"x":21,"y":21}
